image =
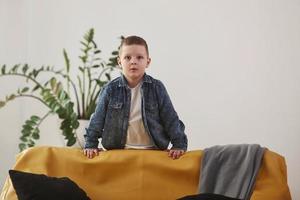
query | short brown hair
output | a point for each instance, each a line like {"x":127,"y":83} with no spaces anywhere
{"x":131,"y":40}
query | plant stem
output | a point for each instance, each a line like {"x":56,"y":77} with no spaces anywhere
{"x":44,"y":117}
{"x":77,"y":98}
{"x":95,"y":87}
{"x":73,"y":86}
{"x":25,"y":76}
{"x":83,"y":93}
{"x":32,"y":96}
{"x":89,"y":86}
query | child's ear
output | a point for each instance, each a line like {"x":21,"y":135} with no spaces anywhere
{"x":119,"y":62}
{"x":148,"y":62}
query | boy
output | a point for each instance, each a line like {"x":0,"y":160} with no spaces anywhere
{"x":134,"y":111}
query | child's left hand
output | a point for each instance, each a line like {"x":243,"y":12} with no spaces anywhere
{"x":175,"y":153}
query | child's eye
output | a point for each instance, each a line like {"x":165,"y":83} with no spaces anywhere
{"x":140,"y":57}
{"x":127,"y":57}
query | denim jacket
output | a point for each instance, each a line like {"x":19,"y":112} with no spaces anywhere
{"x":110,"y":119}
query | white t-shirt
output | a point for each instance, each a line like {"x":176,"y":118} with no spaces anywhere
{"x":137,"y":136}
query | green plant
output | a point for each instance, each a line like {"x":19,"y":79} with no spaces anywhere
{"x":60,"y":92}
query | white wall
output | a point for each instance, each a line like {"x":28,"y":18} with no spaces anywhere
{"x":13,"y":49}
{"x":231,"y":67}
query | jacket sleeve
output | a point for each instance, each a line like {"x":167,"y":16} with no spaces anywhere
{"x":95,"y":128}
{"x":173,"y":126}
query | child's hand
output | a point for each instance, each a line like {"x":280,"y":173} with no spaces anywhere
{"x":90,"y":153}
{"x":175,"y":153}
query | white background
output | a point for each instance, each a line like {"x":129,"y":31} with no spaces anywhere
{"x":232,"y":67}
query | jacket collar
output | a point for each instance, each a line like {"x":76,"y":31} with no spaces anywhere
{"x":123,"y":82}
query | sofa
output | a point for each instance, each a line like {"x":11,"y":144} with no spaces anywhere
{"x":139,"y":174}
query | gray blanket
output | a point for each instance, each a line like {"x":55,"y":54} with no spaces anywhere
{"x":230,"y":170}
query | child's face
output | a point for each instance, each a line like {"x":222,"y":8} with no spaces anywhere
{"x":133,"y":60}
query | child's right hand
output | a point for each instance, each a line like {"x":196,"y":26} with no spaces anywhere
{"x":91,"y":153}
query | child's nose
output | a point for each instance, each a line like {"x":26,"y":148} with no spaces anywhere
{"x":133,"y":61}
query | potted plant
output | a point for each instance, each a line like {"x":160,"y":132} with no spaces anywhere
{"x":60,"y":93}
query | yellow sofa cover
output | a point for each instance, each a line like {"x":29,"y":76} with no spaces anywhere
{"x":139,"y":174}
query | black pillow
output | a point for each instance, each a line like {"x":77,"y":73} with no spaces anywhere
{"x":30,"y":186}
{"x":207,"y":196}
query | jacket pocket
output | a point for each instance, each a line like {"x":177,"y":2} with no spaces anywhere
{"x":115,"y":105}
{"x":152,"y":109}
{"x":115,"y":110}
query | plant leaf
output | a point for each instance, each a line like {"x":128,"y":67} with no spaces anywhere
{"x":27,"y":127}
{"x":3,"y":69}
{"x":62,"y":95}
{"x":23,"y":138}
{"x":2,"y":104}
{"x":35,"y":118}
{"x":31,"y":122}
{"x":115,"y":53}
{"x":11,"y":97}
{"x":35,"y":88}
{"x":71,"y":141}
{"x":52,"y":82}
{"x":83,"y":58}
{"x":15,"y":68}
{"x":89,"y":35}
{"x":81,"y":69}
{"x":35,"y":134}
{"x":25,"y":68}
{"x":58,"y":88}
{"x":107,"y":76}
{"x":25,"y":89}
{"x":22,"y":146}
{"x":67,"y":60}
{"x":30,"y":143}
{"x":84,"y":44}
{"x":35,"y":73}
{"x":25,"y":132}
